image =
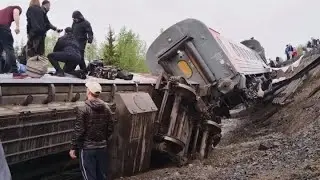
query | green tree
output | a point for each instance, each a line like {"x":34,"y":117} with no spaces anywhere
{"x":92,"y":50}
{"x":125,"y":50}
{"x":50,"y":42}
{"x":109,"y":54}
{"x":17,"y":49}
{"x":131,"y":51}
{"x":300,"y":50}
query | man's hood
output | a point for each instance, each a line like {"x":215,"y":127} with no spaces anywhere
{"x":44,"y":9}
{"x":97,"y":104}
{"x":78,"y":15}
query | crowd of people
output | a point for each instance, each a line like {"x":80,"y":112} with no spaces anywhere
{"x":292,"y":52}
{"x":93,"y":125}
{"x":69,"y":49}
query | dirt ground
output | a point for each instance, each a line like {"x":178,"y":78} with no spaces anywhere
{"x":270,"y":142}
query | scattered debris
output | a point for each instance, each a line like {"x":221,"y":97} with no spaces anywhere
{"x":267,"y":145}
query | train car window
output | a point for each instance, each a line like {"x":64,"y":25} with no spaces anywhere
{"x":253,"y":54}
{"x":249,"y":54}
{"x":243,"y":52}
{"x":257,"y":56}
{"x":185,"y":68}
{"x":222,"y":45}
{"x":235,"y":49}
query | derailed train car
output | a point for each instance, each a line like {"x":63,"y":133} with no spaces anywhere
{"x":201,"y":76}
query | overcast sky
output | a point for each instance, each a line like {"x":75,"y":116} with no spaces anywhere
{"x":273,"y":22}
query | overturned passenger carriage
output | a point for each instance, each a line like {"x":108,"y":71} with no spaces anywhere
{"x":201,"y":76}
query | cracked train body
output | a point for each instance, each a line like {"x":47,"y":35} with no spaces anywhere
{"x":198,"y":76}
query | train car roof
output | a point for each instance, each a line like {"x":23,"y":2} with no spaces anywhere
{"x":48,"y":79}
{"x":223,"y":57}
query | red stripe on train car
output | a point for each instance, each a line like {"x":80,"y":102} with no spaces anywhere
{"x":214,"y":30}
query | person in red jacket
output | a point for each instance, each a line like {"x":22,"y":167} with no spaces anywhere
{"x":294,"y":53}
{"x":7,"y":16}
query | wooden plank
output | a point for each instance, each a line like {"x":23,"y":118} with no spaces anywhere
{"x":288,"y":92}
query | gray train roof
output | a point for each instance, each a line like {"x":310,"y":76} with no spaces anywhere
{"x":191,"y":27}
{"x":215,"y":50}
{"x":48,"y":79}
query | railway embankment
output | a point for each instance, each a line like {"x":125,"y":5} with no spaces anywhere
{"x":268,"y":141}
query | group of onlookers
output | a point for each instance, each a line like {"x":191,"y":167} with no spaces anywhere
{"x":93,"y":125}
{"x":292,"y":52}
{"x":69,"y":49}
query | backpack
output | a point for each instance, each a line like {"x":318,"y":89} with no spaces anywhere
{"x":125,"y":75}
{"x":37,"y":66}
{"x":107,"y":72}
{"x":93,"y":65}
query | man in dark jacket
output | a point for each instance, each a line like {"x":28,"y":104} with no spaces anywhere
{"x":7,"y":16}
{"x":37,"y":26}
{"x":46,"y":8}
{"x":82,"y":30}
{"x":314,"y":42}
{"x":289,"y":51}
{"x":36,"y":30}
{"x":93,"y":127}
{"x":66,"y":50}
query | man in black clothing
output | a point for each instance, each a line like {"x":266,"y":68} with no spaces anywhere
{"x":82,"y":30}
{"x":66,"y":50}
{"x":36,"y":30}
{"x":309,"y":44}
{"x":314,"y":42}
{"x":93,"y":127}
{"x":37,"y":26}
{"x":46,"y":8}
